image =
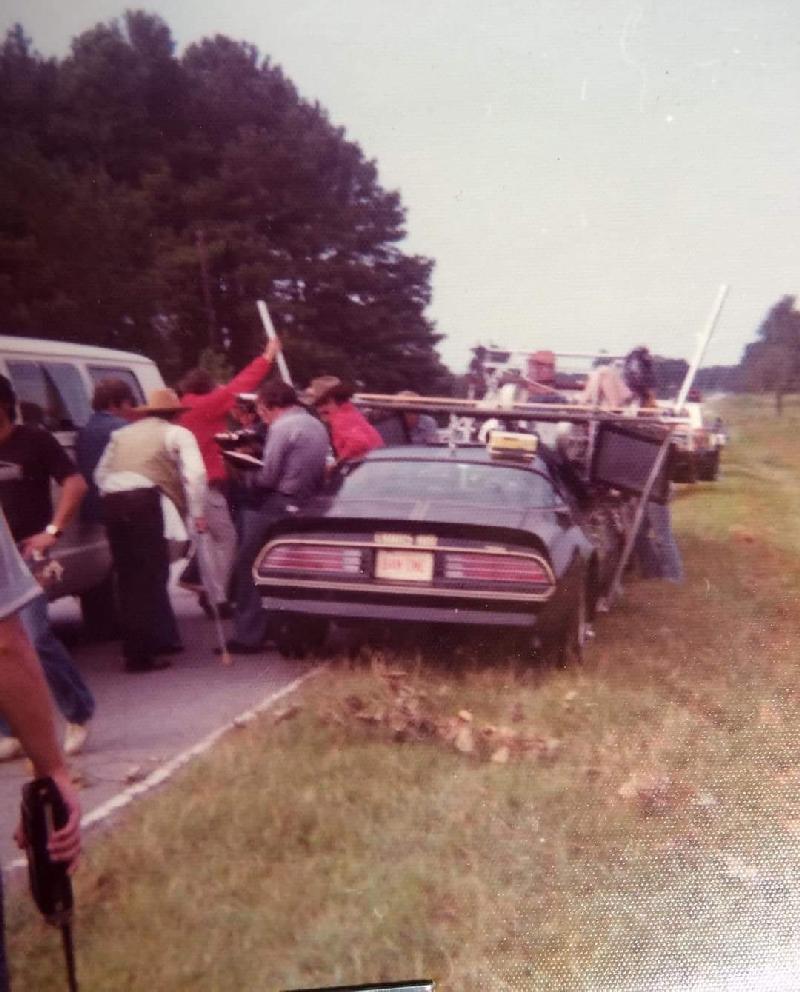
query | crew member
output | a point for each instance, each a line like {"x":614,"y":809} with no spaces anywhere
{"x":25,"y":702}
{"x":293,"y":470}
{"x":352,"y":435}
{"x":113,"y":403}
{"x":35,"y":458}
{"x":420,"y":428}
{"x":150,"y":476}
{"x":206,"y":406}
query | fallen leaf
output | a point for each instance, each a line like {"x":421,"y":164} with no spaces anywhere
{"x":768,"y":715}
{"x":287,"y":713}
{"x":629,"y":788}
{"x":134,"y":774}
{"x":501,"y":756}
{"x":464,"y":740}
{"x":650,"y":789}
{"x":465,"y":715}
{"x":448,"y":728}
{"x":370,"y":717}
{"x":736,"y":868}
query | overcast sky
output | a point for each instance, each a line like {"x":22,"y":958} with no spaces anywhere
{"x":585,"y":173}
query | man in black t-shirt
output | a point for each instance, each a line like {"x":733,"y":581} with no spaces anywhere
{"x":35,"y":457}
{"x":32,"y":458}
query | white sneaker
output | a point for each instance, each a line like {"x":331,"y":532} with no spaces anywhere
{"x":10,"y":748}
{"x":75,"y":737}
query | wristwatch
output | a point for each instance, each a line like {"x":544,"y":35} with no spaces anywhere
{"x":53,"y":531}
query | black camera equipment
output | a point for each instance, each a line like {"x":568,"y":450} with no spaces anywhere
{"x":43,"y":812}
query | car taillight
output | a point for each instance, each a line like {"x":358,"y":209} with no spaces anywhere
{"x":312,"y":558}
{"x":495,"y":568}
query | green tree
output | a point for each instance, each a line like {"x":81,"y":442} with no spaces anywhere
{"x":149,"y":201}
{"x":772,"y":363}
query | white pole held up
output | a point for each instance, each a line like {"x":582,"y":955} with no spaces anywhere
{"x":702,"y":344}
{"x":266,"y":320}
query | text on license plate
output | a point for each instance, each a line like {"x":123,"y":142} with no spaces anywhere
{"x":408,"y":566}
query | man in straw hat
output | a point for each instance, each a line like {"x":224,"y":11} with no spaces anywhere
{"x":151,"y":476}
{"x":352,"y":435}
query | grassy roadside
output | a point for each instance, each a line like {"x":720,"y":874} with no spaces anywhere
{"x":631,"y":824}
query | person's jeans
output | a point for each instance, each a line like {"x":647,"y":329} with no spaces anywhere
{"x":250,"y":620}
{"x":658,"y":554}
{"x":72,"y":695}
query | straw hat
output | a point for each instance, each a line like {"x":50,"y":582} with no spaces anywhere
{"x":320,"y":389}
{"x":162,"y":401}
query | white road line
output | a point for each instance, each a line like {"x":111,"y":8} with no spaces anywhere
{"x":166,"y":771}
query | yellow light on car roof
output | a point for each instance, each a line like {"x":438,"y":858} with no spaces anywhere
{"x":512,"y":445}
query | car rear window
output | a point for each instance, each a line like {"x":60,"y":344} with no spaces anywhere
{"x":453,"y":481}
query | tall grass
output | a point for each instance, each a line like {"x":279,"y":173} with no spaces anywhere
{"x":630,"y":824}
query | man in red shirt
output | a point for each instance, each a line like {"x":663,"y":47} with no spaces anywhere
{"x":352,"y":435}
{"x":208,"y":406}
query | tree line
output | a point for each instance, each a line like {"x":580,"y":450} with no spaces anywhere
{"x":770,"y":363}
{"x":148,"y":199}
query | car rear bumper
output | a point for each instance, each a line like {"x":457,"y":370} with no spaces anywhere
{"x":392,"y":612}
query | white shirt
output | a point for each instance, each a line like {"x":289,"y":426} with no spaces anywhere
{"x":182,"y":447}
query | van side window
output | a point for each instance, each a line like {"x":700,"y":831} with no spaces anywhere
{"x":68,"y":382}
{"x":40,"y":402}
{"x":100,"y":372}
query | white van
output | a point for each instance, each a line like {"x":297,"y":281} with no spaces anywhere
{"x":54,"y":382}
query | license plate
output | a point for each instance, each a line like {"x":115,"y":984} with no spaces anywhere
{"x":404,"y":566}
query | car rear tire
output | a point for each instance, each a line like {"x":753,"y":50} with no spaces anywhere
{"x":567,"y":646}
{"x":298,"y":637}
{"x":709,"y":470}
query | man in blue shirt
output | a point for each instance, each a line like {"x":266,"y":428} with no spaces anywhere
{"x":293,"y":469}
{"x":112,"y":403}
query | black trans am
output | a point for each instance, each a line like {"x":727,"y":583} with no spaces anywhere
{"x":433,"y":535}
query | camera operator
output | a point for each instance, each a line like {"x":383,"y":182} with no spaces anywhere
{"x":25,"y":702}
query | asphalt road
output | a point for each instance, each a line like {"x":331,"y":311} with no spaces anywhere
{"x":145,"y":722}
